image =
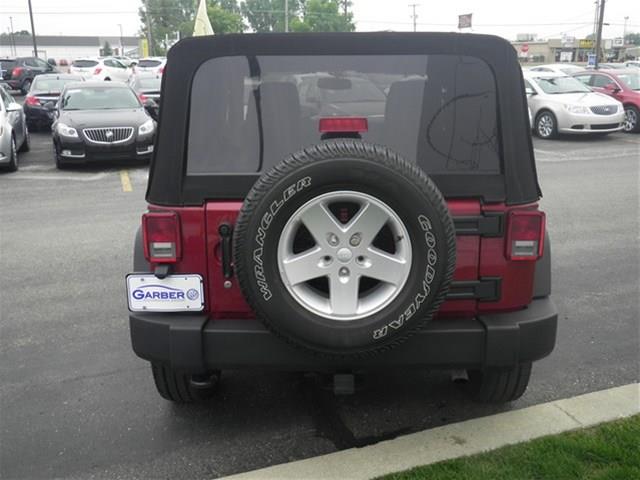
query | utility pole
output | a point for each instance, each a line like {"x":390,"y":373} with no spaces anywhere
{"x":599,"y":34}
{"x":595,"y":18}
{"x":414,"y":15}
{"x":33,"y":31}
{"x":286,"y":15}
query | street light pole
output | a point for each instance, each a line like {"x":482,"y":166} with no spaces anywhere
{"x":33,"y":31}
{"x":13,"y":40}
{"x":624,"y":32}
{"x":121,"y":43}
{"x":286,"y":15}
{"x":599,"y":35}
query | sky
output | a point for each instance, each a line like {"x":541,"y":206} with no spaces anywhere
{"x":547,"y":18}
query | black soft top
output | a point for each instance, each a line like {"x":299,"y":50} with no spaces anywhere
{"x":170,"y":185}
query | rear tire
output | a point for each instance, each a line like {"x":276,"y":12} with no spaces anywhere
{"x":26,"y":145}
{"x":499,"y":385}
{"x":182,"y":387}
{"x":26,"y":86}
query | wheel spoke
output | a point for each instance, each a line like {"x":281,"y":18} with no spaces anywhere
{"x":368,"y":222}
{"x":320,"y":222}
{"x":343,"y":295}
{"x":385,"y":267}
{"x":303,"y":267}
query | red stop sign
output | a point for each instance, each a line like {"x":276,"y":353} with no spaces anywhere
{"x":524,"y":48}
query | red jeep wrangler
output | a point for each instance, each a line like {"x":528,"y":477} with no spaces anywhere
{"x":342,"y":203}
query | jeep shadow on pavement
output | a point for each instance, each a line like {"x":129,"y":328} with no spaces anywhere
{"x":342,"y":203}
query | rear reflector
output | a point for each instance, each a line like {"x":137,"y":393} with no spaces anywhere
{"x":97,"y":71}
{"x":161,"y":237}
{"x":343,"y":125}
{"x":525,"y":235}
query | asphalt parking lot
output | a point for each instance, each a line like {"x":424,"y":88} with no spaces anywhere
{"x":77,"y":403}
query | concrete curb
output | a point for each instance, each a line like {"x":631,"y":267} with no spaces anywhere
{"x":461,"y":439}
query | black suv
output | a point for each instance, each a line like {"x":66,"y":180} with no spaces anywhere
{"x":342,"y":203}
{"x":18,"y":73}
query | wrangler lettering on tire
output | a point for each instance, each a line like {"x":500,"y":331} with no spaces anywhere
{"x":344,"y":248}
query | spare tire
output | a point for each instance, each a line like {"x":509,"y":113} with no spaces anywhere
{"x":344,"y":248}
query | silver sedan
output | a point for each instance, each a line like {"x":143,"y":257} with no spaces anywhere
{"x":562,"y":104}
{"x":14,"y":136}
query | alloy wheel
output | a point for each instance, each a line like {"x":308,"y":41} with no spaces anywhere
{"x":545,"y":125}
{"x":630,"y":120}
{"x":344,"y":255}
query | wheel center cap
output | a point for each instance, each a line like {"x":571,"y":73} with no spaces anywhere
{"x":344,"y":255}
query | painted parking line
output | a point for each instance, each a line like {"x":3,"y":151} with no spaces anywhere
{"x":125,"y":181}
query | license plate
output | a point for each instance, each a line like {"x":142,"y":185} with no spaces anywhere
{"x":175,"y":293}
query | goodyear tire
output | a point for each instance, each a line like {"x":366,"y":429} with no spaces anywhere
{"x":344,"y":248}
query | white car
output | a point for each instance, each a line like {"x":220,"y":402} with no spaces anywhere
{"x":557,"y":68}
{"x":562,"y":104}
{"x":632,"y":64}
{"x":151,"y":65}
{"x":100,"y":69}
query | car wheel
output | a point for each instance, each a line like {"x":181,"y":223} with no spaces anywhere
{"x":13,"y":159}
{"x":182,"y":387}
{"x":344,"y":248}
{"x":499,"y":385}
{"x":26,"y":145}
{"x":631,"y":117}
{"x":60,"y":163}
{"x":546,"y":125}
{"x":26,"y":86}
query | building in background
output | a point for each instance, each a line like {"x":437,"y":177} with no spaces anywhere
{"x":566,"y":49}
{"x":60,"y":47}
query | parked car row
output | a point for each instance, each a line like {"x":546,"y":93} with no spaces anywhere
{"x":14,"y":133}
{"x":564,"y":98}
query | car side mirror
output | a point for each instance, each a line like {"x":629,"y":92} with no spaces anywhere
{"x":530,"y":91}
{"x":14,"y":107}
{"x":612,"y":88}
{"x":152,"y":109}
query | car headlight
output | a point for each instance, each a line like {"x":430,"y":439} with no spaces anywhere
{"x":67,"y":131}
{"x":146,"y":127}
{"x":576,"y":109}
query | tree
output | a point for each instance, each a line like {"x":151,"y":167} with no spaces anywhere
{"x":268,"y":15}
{"x":225,"y":17}
{"x":633,"y":38}
{"x":168,"y":18}
{"x":106,"y":49}
{"x":324,"y":16}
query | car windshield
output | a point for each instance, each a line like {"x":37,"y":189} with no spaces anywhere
{"x":556,"y":85}
{"x":438,"y":110}
{"x":631,"y":80}
{"x":84,"y":63}
{"x":99,"y":98}
{"x":52,"y":85}
{"x":149,"y":63}
{"x":568,"y":70}
{"x":148,"y":83}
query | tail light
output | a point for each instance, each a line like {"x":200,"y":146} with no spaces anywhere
{"x":143,"y":98}
{"x":31,"y":100}
{"x":525,"y":235}
{"x":161,"y":70}
{"x":161,"y":237}
{"x":15,"y":73}
{"x":343,"y":125}
{"x":97,"y":71}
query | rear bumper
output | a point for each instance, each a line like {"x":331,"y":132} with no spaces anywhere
{"x":194,"y":343}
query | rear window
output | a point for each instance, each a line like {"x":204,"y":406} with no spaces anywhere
{"x":148,"y":83}
{"x":99,"y":98}
{"x":52,"y":85}
{"x":84,"y":63}
{"x":149,"y":63}
{"x":437,"y":110}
